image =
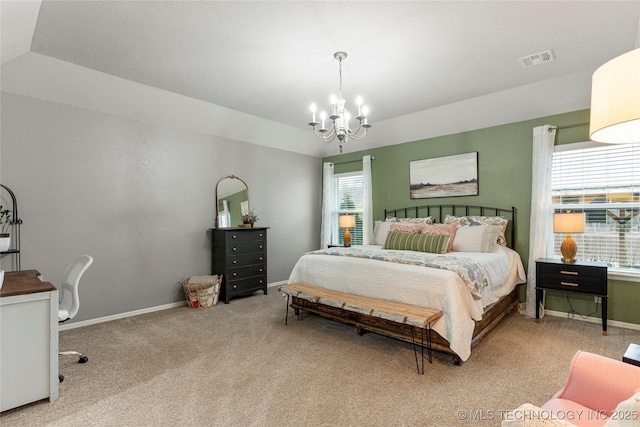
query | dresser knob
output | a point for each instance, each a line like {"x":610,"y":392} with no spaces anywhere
{"x":235,"y":262}
{"x":234,"y":249}
{"x":260,"y":258}
{"x":260,"y":281}
{"x":260,"y":270}
{"x":260,"y":234}
{"x":233,"y":237}
{"x":235,"y":274}
{"x":260,"y":247}
{"x":235,"y":286}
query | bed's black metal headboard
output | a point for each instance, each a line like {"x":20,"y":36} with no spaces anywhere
{"x":439,"y":212}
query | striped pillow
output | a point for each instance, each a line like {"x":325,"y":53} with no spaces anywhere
{"x":432,"y":243}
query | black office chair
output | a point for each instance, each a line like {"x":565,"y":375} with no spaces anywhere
{"x":69,"y":300}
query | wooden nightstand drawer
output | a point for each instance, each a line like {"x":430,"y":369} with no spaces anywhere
{"x":571,"y":283}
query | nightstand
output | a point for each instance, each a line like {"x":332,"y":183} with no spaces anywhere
{"x":580,"y":277}
{"x":632,"y":355}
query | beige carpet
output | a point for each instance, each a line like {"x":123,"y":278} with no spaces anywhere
{"x":239,"y":365}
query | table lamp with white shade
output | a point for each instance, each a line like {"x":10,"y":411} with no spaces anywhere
{"x":346,"y":222}
{"x":568,"y":222}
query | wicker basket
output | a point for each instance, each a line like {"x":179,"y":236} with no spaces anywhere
{"x":202,"y":291}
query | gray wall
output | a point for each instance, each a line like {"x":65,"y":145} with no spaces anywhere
{"x":139,"y":198}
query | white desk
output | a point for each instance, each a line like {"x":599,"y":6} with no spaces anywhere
{"x":28,"y":340}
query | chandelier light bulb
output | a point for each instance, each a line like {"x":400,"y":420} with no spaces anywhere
{"x":313,"y":113}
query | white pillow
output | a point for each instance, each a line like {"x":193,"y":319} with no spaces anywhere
{"x":627,"y":413}
{"x":476,"y":238}
{"x":380,"y":232}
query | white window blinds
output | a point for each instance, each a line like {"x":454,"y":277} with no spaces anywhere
{"x":349,"y":201}
{"x":604,"y":183}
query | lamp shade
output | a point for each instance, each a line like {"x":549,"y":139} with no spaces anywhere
{"x":569,"y":222}
{"x":615,"y":100}
{"x":347,"y":221}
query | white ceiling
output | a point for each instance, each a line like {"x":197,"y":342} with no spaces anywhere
{"x":270,"y":60}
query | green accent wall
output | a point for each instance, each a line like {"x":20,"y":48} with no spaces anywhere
{"x":504,"y":176}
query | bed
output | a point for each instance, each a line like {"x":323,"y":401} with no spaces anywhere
{"x":472,"y":275}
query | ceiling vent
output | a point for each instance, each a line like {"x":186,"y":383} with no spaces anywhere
{"x":537,"y":58}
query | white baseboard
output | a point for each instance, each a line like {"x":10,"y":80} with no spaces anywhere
{"x":80,"y":324}
{"x":274,"y":284}
{"x":597,"y":320}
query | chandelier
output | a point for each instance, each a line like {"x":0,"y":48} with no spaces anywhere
{"x":340,"y":117}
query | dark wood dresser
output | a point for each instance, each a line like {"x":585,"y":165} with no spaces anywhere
{"x":240,"y":255}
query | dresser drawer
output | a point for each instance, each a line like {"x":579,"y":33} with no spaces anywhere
{"x":243,"y":285}
{"x":245,"y":247}
{"x":243,"y":260}
{"x":246,"y":236}
{"x":244,"y":272}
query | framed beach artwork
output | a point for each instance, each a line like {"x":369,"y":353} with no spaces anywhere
{"x":447,"y":176}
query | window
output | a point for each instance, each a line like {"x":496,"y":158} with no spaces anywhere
{"x":604,"y":183}
{"x":348,"y":201}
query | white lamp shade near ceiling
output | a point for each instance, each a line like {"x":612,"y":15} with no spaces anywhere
{"x":615,"y":100}
{"x":568,"y":222}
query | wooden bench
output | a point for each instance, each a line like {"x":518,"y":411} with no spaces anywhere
{"x":414,"y":316}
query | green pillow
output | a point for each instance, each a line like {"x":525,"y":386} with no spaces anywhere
{"x":432,"y":243}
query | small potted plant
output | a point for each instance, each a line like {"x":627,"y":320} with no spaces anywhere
{"x":249,"y":218}
{"x":5,"y":222}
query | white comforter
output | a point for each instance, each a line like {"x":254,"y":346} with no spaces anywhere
{"x":424,"y":286}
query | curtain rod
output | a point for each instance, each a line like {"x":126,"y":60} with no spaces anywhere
{"x":351,"y":161}
{"x":569,"y":126}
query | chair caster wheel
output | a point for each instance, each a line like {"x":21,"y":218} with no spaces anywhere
{"x":60,"y":378}
{"x":83,"y":359}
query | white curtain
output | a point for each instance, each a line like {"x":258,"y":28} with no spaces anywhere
{"x":328,"y":201}
{"x":224,"y":217}
{"x":543,"y":141}
{"x":367,"y":202}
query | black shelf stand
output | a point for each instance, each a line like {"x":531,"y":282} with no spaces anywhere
{"x":16,"y":222}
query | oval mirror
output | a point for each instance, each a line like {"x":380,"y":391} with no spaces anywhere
{"x":232,"y":201}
